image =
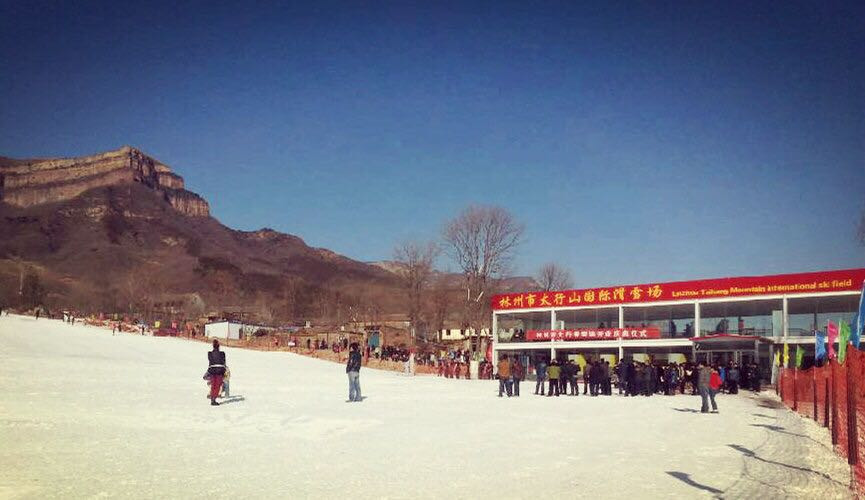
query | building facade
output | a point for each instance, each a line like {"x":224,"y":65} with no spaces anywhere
{"x":743,"y":319}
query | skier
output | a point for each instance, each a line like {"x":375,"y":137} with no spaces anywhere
{"x":215,"y":370}
{"x":352,"y":368}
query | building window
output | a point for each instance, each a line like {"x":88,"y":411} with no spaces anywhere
{"x":673,"y":321}
{"x":606,"y":317}
{"x":806,"y":314}
{"x":747,"y":317}
{"x":512,"y":327}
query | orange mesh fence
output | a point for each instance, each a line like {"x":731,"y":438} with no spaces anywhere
{"x":804,"y":392}
{"x":834,"y":396}
{"x":821,"y":378}
{"x":840,"y":404}
{"x":786,"y":381}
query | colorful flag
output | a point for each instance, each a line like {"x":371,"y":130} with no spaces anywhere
{"x":820,"y":346}
{"x":860,"y":320}
{"x":831,"y":337}
{"x":855,"y":336}
{"x":842,"y":341}
{"x":777,"y":361}
{"x":800,"y":356}
{"x":786,"y":356}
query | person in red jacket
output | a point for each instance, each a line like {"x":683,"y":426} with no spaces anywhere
{"x":518,"y":373}
{"x":715,"y":384}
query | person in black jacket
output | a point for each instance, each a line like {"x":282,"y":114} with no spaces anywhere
{"x":574,"y":370}
{"x":215,"y":370}
{"x":352,"y":368}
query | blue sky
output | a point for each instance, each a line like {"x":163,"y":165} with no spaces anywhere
{"x":637,"y":142}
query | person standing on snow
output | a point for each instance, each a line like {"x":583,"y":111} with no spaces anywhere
{"x":216,"y":371}
{"x":587,"y":376}
{"x":505,"y":380}
{"x":554,"y":371}
{"x":541,"y":375}
{"x":733,"y":379}
{"x":704,"y":381}
{"x":352,"y":368}
{"x":518,"y":372}
{"x":573,"y":370}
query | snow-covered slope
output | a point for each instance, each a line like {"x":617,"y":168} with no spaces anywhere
{"x":87,"y":414}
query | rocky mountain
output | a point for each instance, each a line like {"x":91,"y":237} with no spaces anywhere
{"x":119,"y":231}
{"x":28,"y":183}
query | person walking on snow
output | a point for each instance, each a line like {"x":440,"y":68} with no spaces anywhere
{"x":352,"y":368}
{"x":216,"y":371}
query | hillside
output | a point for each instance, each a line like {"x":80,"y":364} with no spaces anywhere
{"x":119,"y":228}
{"x":119,"y":231}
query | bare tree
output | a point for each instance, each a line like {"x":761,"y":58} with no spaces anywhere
{"x":416,"y":266}
{"x":551,"y":276}
{"x":264,"y":309}
{"x":481,"y":240}
{"x":291,"y":291}
{"x":21,"y":265}
{"x":437,"y":308}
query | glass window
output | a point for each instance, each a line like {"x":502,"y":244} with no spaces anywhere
{"x":749,"y":317}
{"x":806,"y":314}
{"x":606,"y":317}
{"x":673,"y":321}
{"x":512,"y":327}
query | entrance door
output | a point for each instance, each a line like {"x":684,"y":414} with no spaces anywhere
{"x":724,"y":357}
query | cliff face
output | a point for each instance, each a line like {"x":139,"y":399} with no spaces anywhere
{"x":29,"y":183}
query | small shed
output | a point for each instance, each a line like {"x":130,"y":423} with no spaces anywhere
{"x":223,"y":330}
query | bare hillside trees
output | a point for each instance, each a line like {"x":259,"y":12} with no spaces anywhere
{"x":481,"y":240}
{"x":415,"y":261}
{"x":552,"y":276}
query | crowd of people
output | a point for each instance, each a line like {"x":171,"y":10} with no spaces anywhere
{"x":628,"y":377}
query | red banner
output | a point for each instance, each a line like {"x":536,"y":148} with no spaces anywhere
{"x":647,"y":332}
{"x":827,"y":281}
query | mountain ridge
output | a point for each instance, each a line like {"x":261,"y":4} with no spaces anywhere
{"x":119,"y":231}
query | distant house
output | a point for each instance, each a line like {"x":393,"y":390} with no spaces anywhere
{"x":223,"y":330}
{"x":232,"y":329}
{"x":459,"y":334}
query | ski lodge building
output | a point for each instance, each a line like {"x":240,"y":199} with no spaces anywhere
{"x":745,"y":319}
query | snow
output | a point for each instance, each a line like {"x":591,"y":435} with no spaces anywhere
{"x":87,"y":414}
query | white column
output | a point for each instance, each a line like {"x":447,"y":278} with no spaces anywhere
{"x":495,"y":336}
{"x":552,"y":319}
{"x":621,"y":317}
{"x":696,"y":318}
{"x":784,"y":318}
